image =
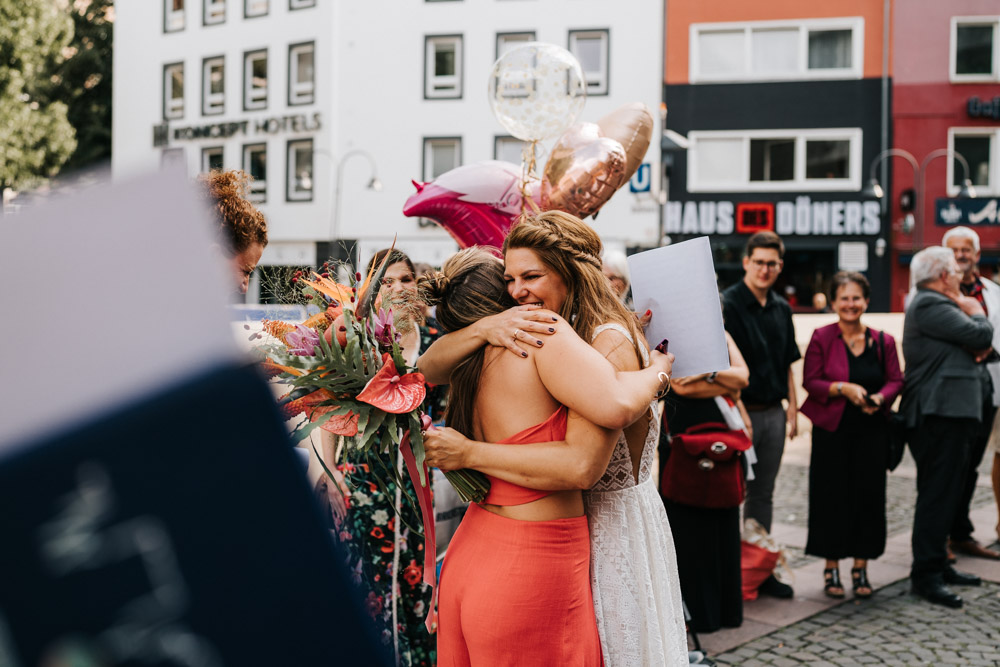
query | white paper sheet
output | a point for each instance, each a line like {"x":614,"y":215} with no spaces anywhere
{"x":109,"y":295}
{"x":677,"y":282}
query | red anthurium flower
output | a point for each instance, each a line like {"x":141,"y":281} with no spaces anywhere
{"x":391,"y":392}
{"x":346,"y":425}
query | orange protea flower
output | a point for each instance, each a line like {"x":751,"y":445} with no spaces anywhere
{"x":321,"y":318}
{"x":309,"y":404}
{"x":278,"y":329}
{"x":394,"y":393}
{"x":336,"y":291}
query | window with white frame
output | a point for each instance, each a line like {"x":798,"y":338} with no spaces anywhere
{"x":255,"y":164}
{"x":774,"y":160}
{"x":213,"y":86}
{"x":508,"y":149}
{"x":173,"y":15}
{"x":214,"y":12}
{"x":441,"y":154}
{"x":301,"y":4}
{"x":777,"y":50}
{"x":211,"y":158}
{"x":591,"y":48}
{"x":511,"y":40}
{"x":253,"y":8}
{"x":980,"y":146}
{"x":255,"y":80}
{"x":173,"y":91}
{"x":299,"y":166}
{"x":975,"y":48}
{"x":443,"y":67}
{"x":301,"y":73}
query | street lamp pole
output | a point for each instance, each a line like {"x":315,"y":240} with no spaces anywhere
{"x":373,"y":184}
{"x":966,"y":190}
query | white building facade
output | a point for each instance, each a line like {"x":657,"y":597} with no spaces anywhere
{"x":316,"y":98}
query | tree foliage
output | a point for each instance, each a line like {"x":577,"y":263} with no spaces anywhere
{"x":83,"y":80}
{"x":36,"y":137}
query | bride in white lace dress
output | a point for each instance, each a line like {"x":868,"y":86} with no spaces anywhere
{"x":553,"y":261}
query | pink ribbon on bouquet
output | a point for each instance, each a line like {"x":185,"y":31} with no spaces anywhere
{"x":430,"y":539}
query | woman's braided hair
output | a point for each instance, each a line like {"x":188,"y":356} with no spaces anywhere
{"x":572,"y":249}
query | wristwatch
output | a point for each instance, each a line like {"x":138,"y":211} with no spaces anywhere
{"x":711,"y":377}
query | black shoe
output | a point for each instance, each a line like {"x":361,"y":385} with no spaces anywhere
{"x":956,"y":578}
{"x":938,"y":593}
{"x":775,"y":589}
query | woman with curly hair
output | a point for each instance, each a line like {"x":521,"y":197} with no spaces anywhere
{"x":238,"y":222}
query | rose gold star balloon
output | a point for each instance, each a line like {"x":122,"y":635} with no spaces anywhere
{"x":583,"y":171}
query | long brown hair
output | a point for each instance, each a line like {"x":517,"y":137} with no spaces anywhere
{"x":469,"y":287}
{"x":572,"y":249}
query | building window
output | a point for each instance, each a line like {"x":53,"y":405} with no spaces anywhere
{"x":443,"y":67}
{"x":253,"y":8}
{"x":173,"y":15}
{"x":173,"y":158}
{"x":511,"y":40}
{"x":173,"y":91}
{"x":301,"y":74}
{"x":777,"y":50}
{"x":211,"y":158}
{"x":255,"y":80}
{"x":980,"y":146}
{"x":255,"y":164}
{"x":213,"y":86}
{"x":214,"y":12}
{"x":774,"y":160}
{"x":591,"y":48}
{"x":301,"y":4}
{"x":975,"y":48}
{"x":508,"y":149}
{"x":300,"y":170}
{"x":441,"y":154}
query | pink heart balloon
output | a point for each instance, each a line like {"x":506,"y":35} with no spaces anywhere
{"x":584,"y":170}
{"x":475,"y":203}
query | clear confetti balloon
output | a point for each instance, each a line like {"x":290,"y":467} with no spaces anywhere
{"x":537,"y":91}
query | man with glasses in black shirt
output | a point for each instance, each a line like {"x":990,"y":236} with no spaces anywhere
{"x":760,"y":322}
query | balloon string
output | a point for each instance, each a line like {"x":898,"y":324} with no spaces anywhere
{"x":527,"y":177}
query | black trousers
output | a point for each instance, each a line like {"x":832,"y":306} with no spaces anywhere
{"x":940,"y":447}
{"x":961,"y":526}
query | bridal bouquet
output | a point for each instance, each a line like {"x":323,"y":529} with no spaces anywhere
{"x":348,"y":377}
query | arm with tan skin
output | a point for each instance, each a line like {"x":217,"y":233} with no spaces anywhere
{"x":730,"y":381}
{"x":448,"y":351}
{"x":570,"y":370}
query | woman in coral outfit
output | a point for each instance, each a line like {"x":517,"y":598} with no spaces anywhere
{"x":553,"y":261}
{"x":515,"y":586}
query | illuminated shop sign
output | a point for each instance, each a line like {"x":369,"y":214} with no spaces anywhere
{"x":802,"y":217}
{"x":973,"y":212}
{"x":978,"y":108}
{"x":162,"y":134}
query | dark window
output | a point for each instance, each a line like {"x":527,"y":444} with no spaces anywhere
{"x":974,"y":49}
{"x":772,"y":159}
{"x":830,"y":49}
{"x":976,"y":151}
{"x":828,"y":159}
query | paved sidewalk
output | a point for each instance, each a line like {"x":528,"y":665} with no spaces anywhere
{"x":894,"y":626}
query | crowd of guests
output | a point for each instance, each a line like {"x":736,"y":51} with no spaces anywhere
{"x":557,"y":398}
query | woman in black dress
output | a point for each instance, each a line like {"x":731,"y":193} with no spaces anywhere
{"x":851,"y":373}
{"x":707,"y":540}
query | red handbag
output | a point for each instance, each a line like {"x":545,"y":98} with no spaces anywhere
{"x":705,"y":467}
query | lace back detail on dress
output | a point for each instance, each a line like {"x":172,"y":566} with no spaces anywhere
{"x":619,"y":472}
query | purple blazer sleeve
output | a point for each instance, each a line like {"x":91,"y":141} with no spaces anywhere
{"x":894,"y":376}
{"x":814,"y":379}
{"x":825,"y":363}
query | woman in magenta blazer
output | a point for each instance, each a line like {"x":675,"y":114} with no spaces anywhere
{"x":852,"y":376}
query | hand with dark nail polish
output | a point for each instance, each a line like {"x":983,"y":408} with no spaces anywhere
{"x":552,"y":330}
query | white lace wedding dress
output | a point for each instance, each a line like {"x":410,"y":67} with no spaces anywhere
{"x":633,"y":566}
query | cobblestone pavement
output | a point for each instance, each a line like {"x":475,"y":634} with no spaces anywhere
{"x":892,"y":628}
{"x":791,"y":502}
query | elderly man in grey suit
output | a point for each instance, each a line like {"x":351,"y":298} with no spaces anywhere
{"x":944,"y":335}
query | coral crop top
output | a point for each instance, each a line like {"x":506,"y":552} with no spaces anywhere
{"x":505,"y":493}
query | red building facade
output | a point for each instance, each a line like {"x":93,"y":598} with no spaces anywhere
{"x":945,"y":97}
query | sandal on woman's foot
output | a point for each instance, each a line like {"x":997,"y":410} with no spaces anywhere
{"x":831,"y":583}
{"x":859,"y":578}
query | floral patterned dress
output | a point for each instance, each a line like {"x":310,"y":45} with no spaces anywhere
{"x":385,"y":555}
